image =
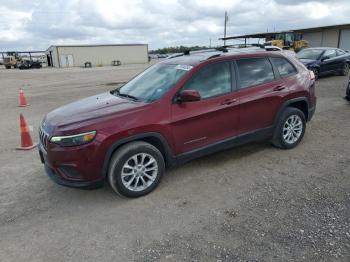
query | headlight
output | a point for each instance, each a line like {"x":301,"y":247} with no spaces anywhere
{"x":74,"y":140}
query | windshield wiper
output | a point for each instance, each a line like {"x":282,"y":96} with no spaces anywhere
{"x":125,"y":95}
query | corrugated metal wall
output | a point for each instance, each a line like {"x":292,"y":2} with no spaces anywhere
{"x":314,"y":39}
{"x":344,"y":41}
{"x":69,"y":56}
{"x":327,"y":38}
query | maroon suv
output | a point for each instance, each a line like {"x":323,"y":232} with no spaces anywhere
{"x":179,"y":109}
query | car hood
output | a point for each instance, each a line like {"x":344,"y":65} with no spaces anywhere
{"x":81,"y":112}
{"x":307,"y":61}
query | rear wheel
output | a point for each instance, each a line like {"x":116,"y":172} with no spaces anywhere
{"x":290,"y":128}
{"x":136,"y":169}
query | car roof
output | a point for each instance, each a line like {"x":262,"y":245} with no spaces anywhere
{"x":196,"y":57}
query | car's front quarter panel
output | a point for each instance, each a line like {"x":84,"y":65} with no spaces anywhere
{"x":89,"y":159}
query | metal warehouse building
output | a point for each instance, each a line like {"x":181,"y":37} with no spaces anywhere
{"x":331,"y":36}
{"x":327,"y":36}
{"x":97,"y":55}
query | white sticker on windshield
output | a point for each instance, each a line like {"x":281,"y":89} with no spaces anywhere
{"x":184,"y":67}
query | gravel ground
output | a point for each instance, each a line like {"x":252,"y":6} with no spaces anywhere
{"x":252,"y":203}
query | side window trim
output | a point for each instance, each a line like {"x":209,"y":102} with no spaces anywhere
{"x":232,"y":84}
{"x":276,"y":77}
{"x":275,"y":69}
{"x":234,"y":76}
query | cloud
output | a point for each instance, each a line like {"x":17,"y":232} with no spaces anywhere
{"x":37,"y":24}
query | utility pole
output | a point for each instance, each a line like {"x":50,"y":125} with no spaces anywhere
{"x":209,"y":42}
{"x":226,"y":20}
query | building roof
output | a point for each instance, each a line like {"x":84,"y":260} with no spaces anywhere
{"x":300,"y":30}
{"x":96,"y":45}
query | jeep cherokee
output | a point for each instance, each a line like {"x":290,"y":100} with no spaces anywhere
{"x":176,"y":110}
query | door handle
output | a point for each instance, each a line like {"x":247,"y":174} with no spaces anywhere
{"x":229,"y":101}
{"x":279,"y":88}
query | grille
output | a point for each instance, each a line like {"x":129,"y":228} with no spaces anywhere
{"x":44,"y":137}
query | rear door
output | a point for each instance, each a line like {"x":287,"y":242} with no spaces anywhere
{"x":261,"y":92}
{"x":214,"y":117}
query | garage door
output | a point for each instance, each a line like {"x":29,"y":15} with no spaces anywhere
{"x":314,"y":39}
{"x":67,"y":60}
{"x":344,"y":42}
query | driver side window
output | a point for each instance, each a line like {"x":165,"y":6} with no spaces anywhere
{"x":213,"y":80}
{"x":330,"y":53}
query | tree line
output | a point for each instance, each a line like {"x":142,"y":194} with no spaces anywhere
{"x":177,"y":49}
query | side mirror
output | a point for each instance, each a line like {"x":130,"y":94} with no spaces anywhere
{"x":188,"y":96}
{"x":324,"y":58}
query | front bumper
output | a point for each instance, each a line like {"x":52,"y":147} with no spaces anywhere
{"x":67,"y":174}
{"x":71,"y":183}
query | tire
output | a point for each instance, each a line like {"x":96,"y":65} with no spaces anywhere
{"x":8,"y":67}
{"x":345,"y":70}
{"x":281,"y":139}
{"x":141,"y":181}
{"x":316,"y":73}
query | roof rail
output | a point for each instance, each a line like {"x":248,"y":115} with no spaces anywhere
{"x":174,"y":55}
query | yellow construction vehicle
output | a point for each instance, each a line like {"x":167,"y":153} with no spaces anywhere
{"x":11,"y":60}
{"x":288,"y":40}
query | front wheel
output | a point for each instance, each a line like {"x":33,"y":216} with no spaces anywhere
{"x":290,"y":128}
{"x":316,"y":72}
{"x":136,"y":169}
{"x":345,"y":70}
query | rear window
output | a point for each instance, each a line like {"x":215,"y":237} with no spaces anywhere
{"x":254,"y":71}
{"x":283,"y":66}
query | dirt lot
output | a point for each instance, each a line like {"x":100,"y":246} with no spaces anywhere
{"x":253,"y":203}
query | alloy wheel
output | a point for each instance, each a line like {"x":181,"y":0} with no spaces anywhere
{"x":139,"y":172}
{"x":292,"y":129}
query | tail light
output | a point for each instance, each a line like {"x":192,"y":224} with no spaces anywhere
{"x":312,"y":75}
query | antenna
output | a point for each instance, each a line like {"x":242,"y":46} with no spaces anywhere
{"x":226,"y":20}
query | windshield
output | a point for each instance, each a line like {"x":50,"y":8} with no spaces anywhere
{"x":313,"y":54}
{"x":153,"y":83}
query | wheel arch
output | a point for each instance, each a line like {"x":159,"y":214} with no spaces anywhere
{"x":301,"y":103}
{"x":155,"y":139}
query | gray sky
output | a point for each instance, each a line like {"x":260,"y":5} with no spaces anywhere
{"x":37,"y":24}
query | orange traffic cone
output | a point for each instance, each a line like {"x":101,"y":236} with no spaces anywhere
{"x":26,"y":140}
{"x":22,"y":99}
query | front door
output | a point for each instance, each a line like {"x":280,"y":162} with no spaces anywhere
{"x":328,"y":61}
{"x":214,"y":117}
